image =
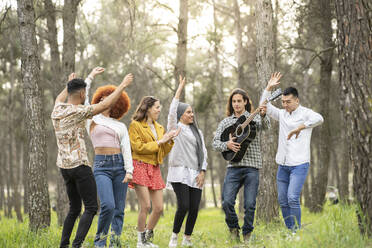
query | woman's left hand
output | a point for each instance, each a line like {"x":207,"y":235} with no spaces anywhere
{"x":200,"y":179}
{"x":128,"y":177}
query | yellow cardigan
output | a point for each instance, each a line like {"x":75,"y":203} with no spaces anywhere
{"x":143,"y":143}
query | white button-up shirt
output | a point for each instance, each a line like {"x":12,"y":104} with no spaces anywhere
{"x":295,"y":151}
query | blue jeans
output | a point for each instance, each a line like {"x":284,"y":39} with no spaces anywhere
{"x":290,"y":180}
{"x":235,"y":178}
{"x":109,"y":173}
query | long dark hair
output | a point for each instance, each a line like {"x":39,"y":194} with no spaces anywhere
{"x":229,"y":107}
{"x":141,"y":112}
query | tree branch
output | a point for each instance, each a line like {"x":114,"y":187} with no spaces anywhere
{"x":7,"y":8}
{"x":317,"y":54}
{"x":160,"y":77}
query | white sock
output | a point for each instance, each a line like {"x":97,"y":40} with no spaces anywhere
{"x":139,"y":237}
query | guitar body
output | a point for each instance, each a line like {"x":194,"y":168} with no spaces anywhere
{"x":243,"y":137}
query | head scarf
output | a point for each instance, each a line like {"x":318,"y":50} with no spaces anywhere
{"x":194,"y":128}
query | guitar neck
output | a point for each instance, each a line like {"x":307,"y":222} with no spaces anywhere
{"x":252,"y":115}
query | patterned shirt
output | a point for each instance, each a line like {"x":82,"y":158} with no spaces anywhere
{"x":252,"y":157}
{"x":69,"y":125}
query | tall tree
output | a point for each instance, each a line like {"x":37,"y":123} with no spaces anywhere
{"x":58,"y":79}
{"x":39,"y":209}
{"x":321,"y":25}
{"x":60,"y":71}
{"x":267,"y":206}
{"x":180,"y":66}
{"x":69,"y":14}
{"x":354,"y":25}
{"x":239,"y":46}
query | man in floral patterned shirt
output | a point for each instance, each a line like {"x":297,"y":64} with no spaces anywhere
{"x":69,"y":124}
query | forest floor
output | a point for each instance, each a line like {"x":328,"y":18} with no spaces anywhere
{"x":335,"y":227}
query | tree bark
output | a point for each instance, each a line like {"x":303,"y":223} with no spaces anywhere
{"x":55,"y":58}
{"x":39,"y":209}
{"x":354,"y":23}
{"x":25,"y":162}
{"x":321,"y":9}
{"x":343,"y":185}
{"x":61,"y":73}
{"x":180,"y":66}
{"x":69,"y":40}
{"x":267,"y":205}
{"x":239,"y":44}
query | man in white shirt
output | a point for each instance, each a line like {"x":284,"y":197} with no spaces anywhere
{"x":293,"y":156}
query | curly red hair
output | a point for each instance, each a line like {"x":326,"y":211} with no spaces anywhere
{"x":120,"y":108}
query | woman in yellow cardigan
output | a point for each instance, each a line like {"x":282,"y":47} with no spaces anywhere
{"x":150,"y":144}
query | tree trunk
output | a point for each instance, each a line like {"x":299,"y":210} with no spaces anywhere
{"x":25,"y":175}
{"x":180,"y":67}
{"x":355,"y":75}
{"x":344,"y":173}
{"x":55,"y":59}
{"x":39,"y":209}
{"x":267,"y":205}
{"x":16,"y":181}
{"x":61,"y":73}
{"x":239,"y":47}
{"x":322,"y":10}
{"x":69,"y":39}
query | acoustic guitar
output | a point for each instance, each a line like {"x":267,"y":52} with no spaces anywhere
{"x":245,"y":130}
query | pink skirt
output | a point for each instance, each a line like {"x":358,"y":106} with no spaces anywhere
{"x":148,"y":175}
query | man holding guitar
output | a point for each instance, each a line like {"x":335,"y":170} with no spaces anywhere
{"x":246,"y":170}
{"x":293,"y":156}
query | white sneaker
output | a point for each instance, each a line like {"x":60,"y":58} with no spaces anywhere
{"x":186,"y":242}
{"x":173,"y":240}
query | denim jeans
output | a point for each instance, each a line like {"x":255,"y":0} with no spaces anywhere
{"x":290,"y":180}
{"x":109,"y":173}
{"x":80,"y":186}
{"x":235,"y":178}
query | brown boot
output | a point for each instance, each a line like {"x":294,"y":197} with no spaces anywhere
{"x":234,"y":234}
{"x":246,"y":237}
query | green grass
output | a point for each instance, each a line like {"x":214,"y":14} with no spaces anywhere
{"x":335,"y":227}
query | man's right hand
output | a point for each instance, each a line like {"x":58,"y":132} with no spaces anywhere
{"x":232,"y":145}
{"x":96,"y":71}
{"x":274,"y":81}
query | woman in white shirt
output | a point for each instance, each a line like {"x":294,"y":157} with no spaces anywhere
{"x":187,"y":166}
{"x":113,"y":166}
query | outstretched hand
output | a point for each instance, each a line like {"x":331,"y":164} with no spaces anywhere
{"x":274,"y":81}
{"x":128,"y":79}
{"x":96,"y":71}
{"x":180,"y":87}
{"x":71,"y":76}
{"x":169,"y":135}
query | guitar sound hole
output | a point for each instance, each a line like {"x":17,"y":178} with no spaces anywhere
{"x":239,"y":131}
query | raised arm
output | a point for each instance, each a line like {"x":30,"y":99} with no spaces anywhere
{"x":172,"y":116}
{"x":63,"y":95}
{"x":271,"y":110}
{"x":109,"y":101}
{"x":96,"y":71}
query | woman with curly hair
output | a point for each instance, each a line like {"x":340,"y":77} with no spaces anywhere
{"x":150,"y":144}
{"x":113,"y":166}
